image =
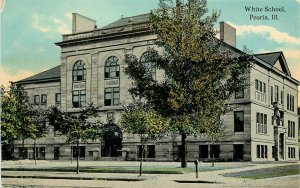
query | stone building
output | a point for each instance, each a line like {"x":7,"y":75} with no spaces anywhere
{"x":91,"y":71}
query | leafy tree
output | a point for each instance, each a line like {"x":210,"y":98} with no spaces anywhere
{"x":201,"y":72}
{"x":77,"y":127}
{"x":16,"y":116}
{"x":139,"y":119}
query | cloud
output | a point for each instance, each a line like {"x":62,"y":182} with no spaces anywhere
{"x":266,"y":31}
{"x":61,"y":26}
{"x":9,"y":76}
{"x":37,"y":25}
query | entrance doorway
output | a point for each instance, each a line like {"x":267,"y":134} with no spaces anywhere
{"x":111,"y":141}
{"x":238,"y":152}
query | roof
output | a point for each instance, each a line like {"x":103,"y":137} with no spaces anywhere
{"x":50,"y":74}
{"x":276,"y":60}
{"x":143,"y":18}
{"x":270,"y":58}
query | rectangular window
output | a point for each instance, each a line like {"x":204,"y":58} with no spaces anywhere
{"x":203,"y":151}
{"x":258,"y":151}
{"x":265,"y":124}
{"x":215,"y":149}
{"x":139,"y":150}
{"x":288,"y":101}
{"x":261,"y":123}
{"x":281,"y":97}
{"x":78,"y":98}
{"x":272,"y":95}
{"x":256,"y":84}
{"x":292,"y":103}
{"x":239,"y":121}
{"x":36,"y":99}
{"x":266,"y":151}
{"x":239,"y":94}
{"x":112,"y":96}
{"x":264,"y":91}
{"x":81,"y":151}
{"x":150,"y":151}
{"x":276,"y":93}
{"x":273,"y":152}
{"x":262,"y":151}
{"x":57,"y":98}
{"x":44,"y":99}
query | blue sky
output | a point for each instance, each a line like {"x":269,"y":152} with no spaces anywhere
{"x":29,"y":28}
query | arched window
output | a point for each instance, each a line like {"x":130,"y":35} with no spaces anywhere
{"x":112,"y":68}
{"x":150,"y":66}
{"x":79,"y":71}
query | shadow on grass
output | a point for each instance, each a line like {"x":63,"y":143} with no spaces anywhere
{"x":266,"y":172}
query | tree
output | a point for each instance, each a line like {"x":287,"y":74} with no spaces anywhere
{"x":77,"y":127}
{"x":39,"y":120}
{"x":201,"y":72}
{"x":139,"y":119}
{"x":16,"y":116}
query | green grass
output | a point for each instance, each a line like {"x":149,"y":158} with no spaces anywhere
{"x":123,"y":169}
{"x":267,"y":172}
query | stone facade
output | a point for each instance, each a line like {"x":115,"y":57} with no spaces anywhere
{"x":257,"y":139}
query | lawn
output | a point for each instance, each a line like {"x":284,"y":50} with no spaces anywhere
{"x":267,"y":172}
{"x":124,"y":169}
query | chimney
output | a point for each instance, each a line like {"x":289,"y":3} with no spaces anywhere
{"x":228,"y":34}
{"x":81,"y":23}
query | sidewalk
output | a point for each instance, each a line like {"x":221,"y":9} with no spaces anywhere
{"x":147,"y":180}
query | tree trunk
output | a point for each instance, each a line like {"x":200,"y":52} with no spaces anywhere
{"x":23,"y":149}
{"x":213,"y":154}
{"x":77,"y":157}
{"x":183,"y":153}
{"x":141,"y":159}
{"x":34,"y":152}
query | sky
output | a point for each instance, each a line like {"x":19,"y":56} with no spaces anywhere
{"x":29,"y":28}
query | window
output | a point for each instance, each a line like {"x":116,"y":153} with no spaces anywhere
{"x":239,"y":94}
{"x":150,"y":151}
{"x":112,"y":69}
{"x":78,"y":98}
{"x":291,"y":129}
{"x":36,"y":99}
{"x":150,"y":66}
{"x":281,"y":97}
{"x":260,"y":90}
{"x":140,"y":151}
{"x":81,"y":152}
{"x":276,"y":93}
{"x":292,"y":152}
{"x":272,"y":95}
{"x":215,"y":150}
{"x":239,"y":121}
{"x":112,"y":96}
{"x":44,"y":99}
{"x":79,"y":71}
{"x":290,"y":102}
{"x":57,"y":98}
{"x":261,"y":123}
{"x":203,"y":151}
{"x":262,"y":151}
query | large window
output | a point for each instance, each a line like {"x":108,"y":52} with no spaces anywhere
{"x":150,"y":66}
{"x":36,"y":99}
{"x":81,"y":151}
{"x":262,"y":151}
{"x":290,"y":102}
{"x":203,"y":151}
{"x":150,"y":151}
{"x":215,"y":150}
{"x":112,"y":96}
{"x":44,"y":99}
{"x":260,"y":90}
{"x":79,"y":71}
{"x":112,"y":69}
{"x":261,"y":123}
{"x":79,"y":98}
{"x":57,"y":98}
{"x":291,"y":153}
{"x":291,"y":129}
{"x":239,"y":121}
